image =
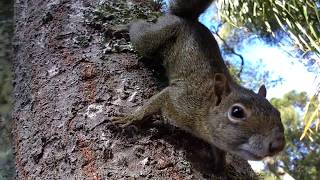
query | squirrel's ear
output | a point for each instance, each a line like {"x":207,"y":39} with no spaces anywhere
{"x":221,"y":86}
{"x":262,"y":91}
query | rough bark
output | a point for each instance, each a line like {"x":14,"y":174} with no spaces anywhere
{"x":69,"y":84}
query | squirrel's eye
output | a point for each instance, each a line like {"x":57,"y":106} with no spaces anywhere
{"x":237,"y":113}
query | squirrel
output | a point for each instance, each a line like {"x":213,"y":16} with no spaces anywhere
{"x":202,"y":98}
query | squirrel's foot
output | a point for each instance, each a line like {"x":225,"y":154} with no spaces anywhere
{"x":121,"y":121}
{"x":124,"y":121}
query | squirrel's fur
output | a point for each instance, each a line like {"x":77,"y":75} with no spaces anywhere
{"x":202,"y":98}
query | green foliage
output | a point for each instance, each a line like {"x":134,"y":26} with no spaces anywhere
{"x":288,"y":104}
{"x":312,"y":117}
{"x":301,"y":157}
{"x":6,"y":155}
{"x":299,"y":18}
{"x":5,"y":87}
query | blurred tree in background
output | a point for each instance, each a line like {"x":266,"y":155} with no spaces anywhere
{"x":301,"y":157}
{"x":6,"y":29}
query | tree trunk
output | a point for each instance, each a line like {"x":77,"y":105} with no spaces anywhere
{"x":74,"y":71}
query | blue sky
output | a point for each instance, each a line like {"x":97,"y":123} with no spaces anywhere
{"x":294,"y":73}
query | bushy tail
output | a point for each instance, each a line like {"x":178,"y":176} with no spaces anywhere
{"x":189,"y":9}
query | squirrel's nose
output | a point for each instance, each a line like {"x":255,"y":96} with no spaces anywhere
{"x":276,"y":145}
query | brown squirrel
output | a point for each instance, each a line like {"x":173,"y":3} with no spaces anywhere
{"x":202,"y":98}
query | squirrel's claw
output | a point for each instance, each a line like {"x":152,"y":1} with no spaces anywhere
{"x":122,"y":121}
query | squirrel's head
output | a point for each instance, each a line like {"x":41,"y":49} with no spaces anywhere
{"x":243,"y":122}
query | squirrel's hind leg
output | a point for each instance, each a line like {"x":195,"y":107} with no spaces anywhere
{"x":148,"y":38}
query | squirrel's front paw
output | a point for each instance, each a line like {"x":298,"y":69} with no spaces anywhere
{"x":123,"y":121}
